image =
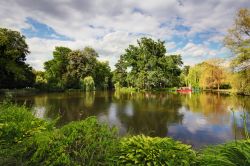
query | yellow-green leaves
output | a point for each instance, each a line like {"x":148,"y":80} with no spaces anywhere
{"x":143,"y":150}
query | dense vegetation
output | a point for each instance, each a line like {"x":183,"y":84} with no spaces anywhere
{"x":69,"y":68}
{"x":208,"y":75}
{"x":213,"y":73}
{"x":14,"y":72}
{"x":147,"y":66}
{"x":238,"y":40}
{"x":26,"y":140}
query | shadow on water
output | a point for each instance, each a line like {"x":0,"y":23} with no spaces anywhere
{"x":198,"y":119}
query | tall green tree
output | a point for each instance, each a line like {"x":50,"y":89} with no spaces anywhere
{"x":238,"y":40}
{"x":68,"y":68}
{"x":81,"y":64}
{"x":102,"y":75}
{"x":57,"y":67}
{"x":184,"y":76}
{"x":120,"y":73}
{"x":194,"y":75}
{"x":147,"y":66}
{"x":14,"y":72}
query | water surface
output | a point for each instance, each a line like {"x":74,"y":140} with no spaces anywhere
{"x":197,"y":119}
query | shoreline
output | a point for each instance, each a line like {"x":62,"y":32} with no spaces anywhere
{"x":36,"y":90}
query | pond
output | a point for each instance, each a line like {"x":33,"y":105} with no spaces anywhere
{"x":198,"y":119}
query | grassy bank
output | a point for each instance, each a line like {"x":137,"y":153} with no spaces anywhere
{"x":27,"y":140}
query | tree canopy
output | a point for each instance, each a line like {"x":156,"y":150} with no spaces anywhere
{"x":208,"y":74}
{"x":238,"y":40}
{"x":14,"y":72}
{"x":147,"y":66}
{"x":69,"y":67}
{"x":57,"y":67}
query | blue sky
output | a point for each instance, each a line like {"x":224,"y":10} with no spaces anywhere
{"x":194,"y":29}
{"x":41,"y":30}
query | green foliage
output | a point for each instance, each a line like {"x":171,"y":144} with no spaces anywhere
{"x":17,"y":123}
{"x":17,"y":126}
{"x":240,"y":82}
{"x":56,"y":68}
{"x":68,"y":67}
{"x":102,"y":75}
{"x":127,"y":90}
{"x":194,"y":75}
{"x":81,"y":64}
{"x":41,"y":81}
{"x":14,"y":72}
{"x":207,"y":75}
{"x":117,"y":86}
{"x":88,"y":83}
{"x":184,"y":76}
{"x":146,"y":66}
{"x":142,"y":150}
{"x":230,"y":154}
{"x":79,"y":143}
{"x":238,"y":41}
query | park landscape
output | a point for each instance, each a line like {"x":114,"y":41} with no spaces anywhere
{"x":80,"y":110}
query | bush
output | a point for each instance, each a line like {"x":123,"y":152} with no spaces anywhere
{"x":17,"y":125}
{"x":230,"y":154}
{"x":142,"y":150}
{"x":78,"y":143}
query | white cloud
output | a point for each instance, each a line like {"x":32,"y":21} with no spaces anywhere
{"x":196,"y":50}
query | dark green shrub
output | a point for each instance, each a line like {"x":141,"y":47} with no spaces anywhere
{"x":142,"y":150}
{"x":230,"y":154}
{"x":78,"y":143}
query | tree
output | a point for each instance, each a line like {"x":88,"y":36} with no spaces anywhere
{"x":102,"y":75}
{"x":208,"y":74}
{"x":147,"y":66}
{"x":41,"y":81}
{"x":88,"y":83}
{"x":81,"y":64}
{"x":213,"y":75}
{"x":14,"y":72}
{"x":68,"y":68}
{"x":194,"y":75}
{"x":57,"y":67}
{"x":238,"y":40}
{"x":184,"y":76}
{"x":120,"y":73}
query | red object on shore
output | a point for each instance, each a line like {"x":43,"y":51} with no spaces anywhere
{"x":184,"y":90}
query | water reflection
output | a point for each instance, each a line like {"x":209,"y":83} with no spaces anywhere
{"x":197,"y":119}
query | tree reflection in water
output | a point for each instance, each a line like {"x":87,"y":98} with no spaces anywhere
{"x":197,"y":118}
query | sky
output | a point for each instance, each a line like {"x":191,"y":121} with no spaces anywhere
{"x":193,"y":28}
